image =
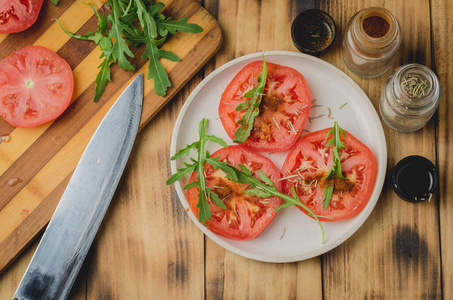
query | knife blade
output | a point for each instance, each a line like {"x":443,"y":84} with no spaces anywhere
{"x":71,"y":231}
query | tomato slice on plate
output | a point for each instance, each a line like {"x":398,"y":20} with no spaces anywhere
{"x":284,"y":108}
{"x":246,"y":216}
{"x":309,"y":161}
{"x":36,"y":86}
{"x":18,"y":15}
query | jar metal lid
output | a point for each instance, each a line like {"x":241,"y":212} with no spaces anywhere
{"x":415,"y":178}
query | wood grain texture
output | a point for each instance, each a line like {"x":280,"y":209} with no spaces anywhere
{"x":45,"y":156}
{"x":400,"y":240}
{"x":148,"y":248}
{"x":443,"y":64}
{"x":386,"y":257}
{"x":248,"y":27}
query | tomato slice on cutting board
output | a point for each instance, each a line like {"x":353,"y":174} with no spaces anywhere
{"x":309,"y":161}
{"x":246,"y":216}
{"x":284,"y":108}
{"x":18,"y":15}
{"x":36,"y":86}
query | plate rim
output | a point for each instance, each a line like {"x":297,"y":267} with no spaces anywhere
{"x":379,"y":183}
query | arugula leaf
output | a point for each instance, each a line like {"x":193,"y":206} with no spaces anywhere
{"x":203,"y":157}
{"x":133,"y":23}
{"x":120,"y":49}
{"x":147,"y":19}
{"x":165,"y":26}
{"x":252,"y":106}
{"x":335,"y":170}
{"x":55,"y":2}
{"x":262,"y":187}
{"x":151,"y":27}
{"x":156,"y":70}
{"x":102,"y":78}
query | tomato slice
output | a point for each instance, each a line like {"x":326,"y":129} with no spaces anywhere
{"x":36,"y":86}
{"x":284,"y":108}
{"x":18,"y":15}
{"x":246,"y":216}
{"x":309,"y":161}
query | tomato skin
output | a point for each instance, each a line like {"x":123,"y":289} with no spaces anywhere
{"x":18,"y":15}
{"x":284,"y":107}
{"x":309,"y":161}
{"x":246,"y":216}
{"x":36,"y":86}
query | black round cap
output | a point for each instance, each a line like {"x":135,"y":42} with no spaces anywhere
{"x":415,"y":178}
{"x":313,"y":31}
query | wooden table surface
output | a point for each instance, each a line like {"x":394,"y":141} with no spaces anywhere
{"x":148,"y":248}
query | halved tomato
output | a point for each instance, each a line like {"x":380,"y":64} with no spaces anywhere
{"x":36,"y":86}
{"x":18,"y":15}
{"x":284,"y":108}
{"x":246,"y":216}
{"x":309,"y":161}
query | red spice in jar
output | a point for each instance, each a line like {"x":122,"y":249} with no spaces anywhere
{"x":375,"y":26}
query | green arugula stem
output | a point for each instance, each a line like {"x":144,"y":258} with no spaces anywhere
{"x":252,"y":107}
{"x":134,"y":23}
{"x":204,"y":192}
{"x":335,"y":170}
{"x":267,"y":189}
{"x":262,"y":187}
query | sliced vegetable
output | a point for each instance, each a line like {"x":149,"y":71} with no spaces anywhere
{"x":282,"y":111}
{"x":36,"y":86}
{"x":228,"y":185}
{"x":240,"y":215}
{"x":18,"y":15}
{"x":308,"y":165}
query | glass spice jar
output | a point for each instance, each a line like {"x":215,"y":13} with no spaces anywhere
{"x":371,"y":42}
{"x":411,"y":96}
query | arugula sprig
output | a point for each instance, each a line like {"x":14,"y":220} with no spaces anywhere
{"x":252,"y":106}
{"x":133,"y":23}
{"x":262,"y":187}
{"x":204,"y":192}
{"x":265,"y":188}
{"x":335,"y":170}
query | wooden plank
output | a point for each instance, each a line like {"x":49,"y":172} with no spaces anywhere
{"x":394,"y":254}
{"x":44,"y":157}
{"x":443,"y":64}
{"x":161,"y":247}
{"x":252,"y":26}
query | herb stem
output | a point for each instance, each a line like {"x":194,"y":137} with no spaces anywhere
{"x":272,"y":191}
{"x":201,"y":158}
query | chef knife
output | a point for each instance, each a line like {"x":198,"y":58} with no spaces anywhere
{"x":70,"y":233}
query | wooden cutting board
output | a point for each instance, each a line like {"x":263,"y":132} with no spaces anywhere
{"x":37,"y":163}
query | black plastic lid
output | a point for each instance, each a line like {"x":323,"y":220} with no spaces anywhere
{"x":313,"y":31}
{"x":415,"y":178}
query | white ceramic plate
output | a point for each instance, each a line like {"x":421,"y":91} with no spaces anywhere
{"x":292,"y":236}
